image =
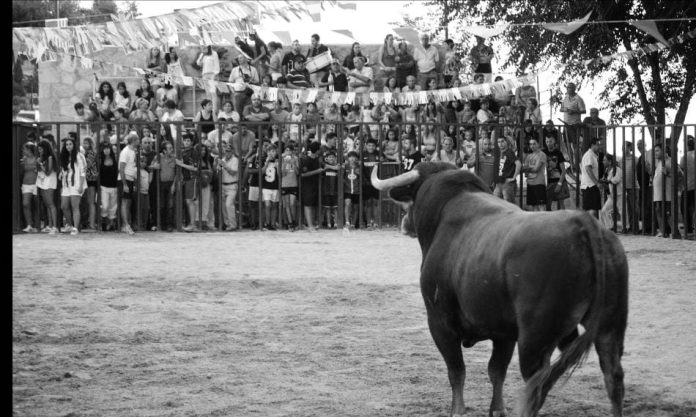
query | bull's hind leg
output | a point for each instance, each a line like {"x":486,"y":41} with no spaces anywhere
{"x":449,"y":344}
{"x":535,"y":361}
{"x":497,"y":369}
{"x":609,"y":348}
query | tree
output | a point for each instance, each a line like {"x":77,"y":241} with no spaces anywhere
{"x":649,"y":87}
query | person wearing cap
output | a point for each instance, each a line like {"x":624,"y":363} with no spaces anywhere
{"x":288,"y":62}
{"x":335,"y":79}
{"x":240,"y":76}
{"x":427,"y":61}
{"x":298,"y":77}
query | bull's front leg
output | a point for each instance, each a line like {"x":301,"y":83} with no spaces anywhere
{"x":449,"y":345}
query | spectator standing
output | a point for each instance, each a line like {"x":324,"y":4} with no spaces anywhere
{"x":532,"y":111}
{"x":557,"y":188}
{"x":612,"y":180}
{"x":481,"y":56}
{"x":72,"y":176}
{"x":288,"y":62}
{"x":405,"y":65}
{"x":589,"y":179}
{"x":572,"y":107}
{"x":290,"y":169}
{"x":189,"y":168}
{"x":662,"y":190}
{"x":209,"y":61}
{"x":386,"y":58}
{"x":349,"y":60}
{"x":631,"y":188}
{"x":91,"y":177}
{"x":275,"y":64}
{"x":360,"y":78}
{"x":451,"y":67}
{"x":29,"y":163}
{"x":254,"y":164}
{"x":486,"y":163}
{"x":108,"y":184}
{"x":508,"y":167}
{"x":329,"y":188}
{"x":47,"y":182}
{"x":167,"y":176}
{"x":410,"y":156}
{"x":316,"y":48}
{"x":261,"y":55}
{"x":427,"y":61}
{"x":228,"y":169}
{"x":687,"y":164}
{"x":127,"y":175}
{"x":352,"y":183}
{"x":535,"y":171}
{"x":143,"y":188}
{"x":310,"y":169}
{"x":240,"y":76}
{"x":644,"y":173}
{"x":269,"y":188}
{"x":596,"y":127}
{"x":370,"y":159}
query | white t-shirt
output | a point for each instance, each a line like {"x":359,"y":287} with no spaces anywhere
{"x":178,"y":116}
{"x":127,"y":155}
{"x":365,"y":72}
{"x":589,"y":159}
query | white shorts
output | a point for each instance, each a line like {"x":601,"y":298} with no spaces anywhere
{"x":29,"y":189}
{"x":269,"y":195}
{"x":47,"y":182}
{"x":253,"y":193}
{"x":70,"y":191}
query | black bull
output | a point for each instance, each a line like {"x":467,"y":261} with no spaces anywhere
{"x":492,"y":271}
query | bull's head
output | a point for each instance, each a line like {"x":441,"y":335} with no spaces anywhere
{"x":403,"y":189}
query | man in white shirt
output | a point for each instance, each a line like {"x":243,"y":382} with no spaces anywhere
{"x":172,"y":114}
{"x":427,"y":62}
{"x":572,"y":107}
{"x":360,"y":79}
{"x":127,"y":174}
{"x":589,"y":179}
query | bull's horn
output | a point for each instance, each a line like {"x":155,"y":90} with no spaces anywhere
{"x":398,"y":181}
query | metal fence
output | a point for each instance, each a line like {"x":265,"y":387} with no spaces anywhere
{"x":637,"y":211}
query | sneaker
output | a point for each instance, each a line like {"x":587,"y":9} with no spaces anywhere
{"x":659,"y":234}
{"x":66,"y":229}
{"x":265,"y":227}
{"x":74,"y":231}
{"x":129,"y":230}
{"x":190,"y":228}
{"x":52,"y":231}
{"x":153,"y":228}
{"x":46,"y":229}
{"x":29,"y":229}
{"x":271,"y":227}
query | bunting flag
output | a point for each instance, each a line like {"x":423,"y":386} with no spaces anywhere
{"x":649,"y":27}
{"x":347,"y":6}
{"x":185,"y":39}
{"x":486,"y":32}
{"x":344,"y":32}
{"x":284,"y":36}
{"x":411,"y":36}
{"x":567,"y":28}
{"x":642,"y":51}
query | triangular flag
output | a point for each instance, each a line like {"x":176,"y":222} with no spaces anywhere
{"x":347,"y":6}
{"x":315,"y":17}
{"x":649,"y":27}
{"x":411,"y":35}
{"x":567,"y":28}
{"x":344,"y":32}
{"x":185,"y":39}
{"x":284,"y":36}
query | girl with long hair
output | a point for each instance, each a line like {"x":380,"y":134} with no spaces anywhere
{"x":73,"y":179}
{"x":386,"y":58}
{"x":206,"y":164}
{"x":47,"y":182}
{"x":154,"y":60}
{"x":29,"y":177}
{"x":104,"y":97}
{"x":122,"y":99}
{"x":145,"y":91}
{"x":108,"y":183}
{"x":612,"y":180}
{"x":91,"y":175}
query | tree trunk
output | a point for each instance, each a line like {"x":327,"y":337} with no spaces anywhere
{"x":633,"y":63}
{"x":680,"y":117}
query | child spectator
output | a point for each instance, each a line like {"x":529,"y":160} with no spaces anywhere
{"x":466,"y":115}
{"x":167,"y":170}
{"x":535,"y":170}
{"x":108,"y":181}
{"x":104,"y":97}
{"x":295,"y":118}
{"x":189,"y":166}
{"x":252,"y":174}
{"x":143,"y":189}
{"x":91,"y":175}
{"x":484,"y":114}
{"x":29,"y":163}
{"x":352,"y":183}
{"x":290,"y":169}
{"x":329,"y":188}
{"x":310,"y":169}
{"x":390,"y":146}
{"x":47,"y":182}
{"x":122,"y":99}
{"x":352,"y":120}
{"x":72,"y":175}
{"x":269,"y":188}
{"x":370,"y":193}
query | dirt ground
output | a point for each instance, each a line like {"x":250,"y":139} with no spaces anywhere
{"x":295,"y":324}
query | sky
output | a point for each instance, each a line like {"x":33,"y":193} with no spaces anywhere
{"x":370,"y":21}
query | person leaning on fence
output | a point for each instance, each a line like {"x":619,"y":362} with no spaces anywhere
{"x":228,"y":169}
{"x":508,"y":167}
{"x":310,"y":169}
{"x":289,"y":170}
{"x":269,"y":187}
{"x":557,"y":186}
{"x":352,"y":183}
{"x":572,"y":107}
{"x":108,"y":186}
{"x":143,"y":187}
{"x":535,"y":171}
{"x":127,"y":169}
{"x":589,"y":179}
{"x":612,"y":180}
{"x":329,"y":188}
{"x":72,"y":176}
{"x":47,"y":182}
{"x":663,"y":181}
{"x":687,"y":163}
{"x":189,"y":166}
{"x":631,"y":188}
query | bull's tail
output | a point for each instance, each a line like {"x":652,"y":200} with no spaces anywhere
{"x":574,"y":354}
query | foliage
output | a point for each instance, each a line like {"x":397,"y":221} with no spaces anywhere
{"x":647,"y":86}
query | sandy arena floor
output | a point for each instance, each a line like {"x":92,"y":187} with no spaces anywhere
{"x":295,"y":324}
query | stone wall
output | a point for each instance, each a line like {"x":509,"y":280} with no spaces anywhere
{"x":64,"y":82}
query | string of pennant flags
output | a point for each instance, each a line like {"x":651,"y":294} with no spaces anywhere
{"x":642,"y":51}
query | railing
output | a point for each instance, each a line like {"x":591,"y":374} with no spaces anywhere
{"x":574,"y":140}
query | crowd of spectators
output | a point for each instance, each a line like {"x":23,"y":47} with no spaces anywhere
{"x":252,"y":155}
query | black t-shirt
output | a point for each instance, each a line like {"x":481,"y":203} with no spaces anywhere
{"x":505,"y":165}
{"x":308,"y":164}
{"x":269,"y":179}
{"x":369,"y":160}
{"x":329,"y":182}
{"x":411,"y":161}
{"x":189,"y":156}
{"x":340,"y":81}
{"x":253,"y":163}
{"x":289,"y":61}
{"x":555,"y":158}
